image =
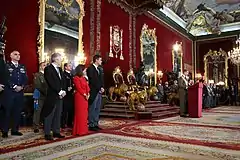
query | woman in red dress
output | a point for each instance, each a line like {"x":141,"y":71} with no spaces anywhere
{"x":81,"y":96}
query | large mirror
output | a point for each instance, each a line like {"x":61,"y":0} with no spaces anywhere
{"x":61,"y":30}
{"x":216,"y":66}
{"x":177,"y":58}
{"x":148,"y":51}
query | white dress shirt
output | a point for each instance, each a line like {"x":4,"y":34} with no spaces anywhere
{"x":15,"y":64}
{"x":57,"y":69}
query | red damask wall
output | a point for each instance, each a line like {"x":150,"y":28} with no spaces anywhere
{"x":22,"y":23}
{"x":114,"y":15}
{"x":22,"y":31}
{"x":166,"y":37}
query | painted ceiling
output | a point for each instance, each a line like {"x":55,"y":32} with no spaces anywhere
{"x":227,"y":10}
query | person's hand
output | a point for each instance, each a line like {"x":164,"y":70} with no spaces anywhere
{"x":18,"y":88}
{"x":63,"y":94}
{"x":69,"y":88}
{"x":61,"y":97}
{"x":102,"y":90}
{"x":1,"y":87}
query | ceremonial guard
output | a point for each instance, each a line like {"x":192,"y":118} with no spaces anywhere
{"x":183,"y":93}
{"x":14,"y":94}
{"x":67,"y":115}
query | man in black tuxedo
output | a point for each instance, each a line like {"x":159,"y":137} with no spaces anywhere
{"x":95,"y":79}
{"x":67,"y":115}
{"x":52,"y":109}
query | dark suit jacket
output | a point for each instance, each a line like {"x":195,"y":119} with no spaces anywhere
{"x":95,"y":80}
{"x":3,"y":78}
{"x":55,"y":85}
{"x":69,"y":82}
{"x":3,"y":72}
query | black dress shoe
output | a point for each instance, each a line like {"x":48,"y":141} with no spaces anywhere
{"x":93,"y":129}
{"x":98,"y":128}
{"x":48,"y":137}
{"x":36,"y":131}
{"x":17,"y":133}
{"x":4,"y":135}
{"x":58,"y":135}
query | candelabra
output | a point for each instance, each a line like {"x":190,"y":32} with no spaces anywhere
{"x":234,"y":54}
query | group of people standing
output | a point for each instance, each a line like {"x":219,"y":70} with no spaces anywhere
{"x":60,"y":98}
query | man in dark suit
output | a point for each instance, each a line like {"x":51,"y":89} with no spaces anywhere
{"x":67,"y":115}
{"x":14,"y":94}
{"x":95,"y":79}
{"x":52,"y":108}
{"x":183,"y":93}
{"x":3,"y":82}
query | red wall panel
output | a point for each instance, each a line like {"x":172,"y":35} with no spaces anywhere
{"x":114,"y":15}
{"x":22,"y":31}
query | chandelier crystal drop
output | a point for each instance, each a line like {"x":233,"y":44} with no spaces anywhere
{"x":234,"y":54}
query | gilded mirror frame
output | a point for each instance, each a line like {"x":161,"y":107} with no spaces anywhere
{"x":177,"y":47}
{"x":41,"y":22}
{"x":150,"y":33}
{"x":216,"y":53}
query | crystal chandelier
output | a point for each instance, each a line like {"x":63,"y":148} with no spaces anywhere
{"x":234,"y":54}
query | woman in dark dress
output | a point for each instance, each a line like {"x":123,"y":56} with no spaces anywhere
{"x":81,"y":96}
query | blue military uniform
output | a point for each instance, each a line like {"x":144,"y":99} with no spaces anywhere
{"x":14,"y":100}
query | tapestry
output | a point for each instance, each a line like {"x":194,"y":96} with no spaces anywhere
{"x":116,"y":42}
{"x":105,"y":146}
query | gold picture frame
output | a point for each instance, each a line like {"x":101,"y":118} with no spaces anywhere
{"x":212,"y":54}
{"x":41,"y":22}
{"x":149,"y":34}
{"x":177,"y":47}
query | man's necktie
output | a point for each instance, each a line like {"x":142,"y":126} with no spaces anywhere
{"x":58,"y":70}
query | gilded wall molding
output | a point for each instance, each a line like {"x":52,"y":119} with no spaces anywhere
{"x":123,"y":6}
{"x":98,"y":40}
{"x":92,"y":27}
{"x":41,"y":22}
{"x":212,"y":55}
{"x":158,"y":20}
{"x":130,"y":40}
{"x":134,"y":41}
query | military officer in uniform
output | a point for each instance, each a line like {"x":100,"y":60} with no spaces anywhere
{"x":41,"y":85}
{"x":14,"y":94}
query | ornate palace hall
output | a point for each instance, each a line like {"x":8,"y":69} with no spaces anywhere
{"x":120,"y":79}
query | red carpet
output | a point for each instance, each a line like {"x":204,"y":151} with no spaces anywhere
{"x":30,"y":139}
{"x":212,"y":136}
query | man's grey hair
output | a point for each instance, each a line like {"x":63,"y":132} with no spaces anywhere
{"x":54,"y":56}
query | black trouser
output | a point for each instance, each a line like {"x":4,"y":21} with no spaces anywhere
{"x":68,"y":109}
{"x":12,"y":109}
